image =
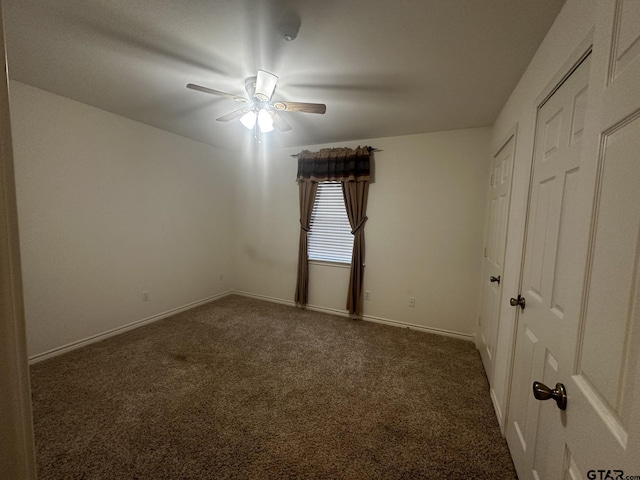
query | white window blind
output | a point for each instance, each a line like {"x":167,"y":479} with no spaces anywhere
{"x":330,"y":237}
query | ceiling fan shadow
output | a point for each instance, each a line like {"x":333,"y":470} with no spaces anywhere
{"x":144,"y":38}
{"x":366,"y":87}
{"x":194,"y":108}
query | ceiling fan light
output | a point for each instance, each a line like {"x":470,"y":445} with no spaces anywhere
{"x":265,"y":122}
{"x":249,"y":119}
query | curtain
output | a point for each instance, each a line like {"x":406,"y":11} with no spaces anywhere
{"x":355,"y":201}
{"x":352,"y":167}
{"x":307,"y":194}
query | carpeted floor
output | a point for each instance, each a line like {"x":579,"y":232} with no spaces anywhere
{"x":241,"y":388}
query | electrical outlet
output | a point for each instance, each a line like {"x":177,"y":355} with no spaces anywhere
{"x":367,"y":295}
{"x":412,"y":301}
{"x":145,"y":296}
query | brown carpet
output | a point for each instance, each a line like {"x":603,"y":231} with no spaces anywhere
{"x":241,"y":388}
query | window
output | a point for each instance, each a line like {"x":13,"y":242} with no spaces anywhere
{"x":330,"y":237}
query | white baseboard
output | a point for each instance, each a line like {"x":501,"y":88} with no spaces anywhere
{"x":413,"y":326}
{"x":124,"y":328}
{"x":267,"y":298}
{"x":145,"y":321}
{"x":368,"y":318}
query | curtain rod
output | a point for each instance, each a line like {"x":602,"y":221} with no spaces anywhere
{"x":371,"y":149}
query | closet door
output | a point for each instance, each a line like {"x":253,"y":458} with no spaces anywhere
{"x":494,"y":252}
{"x":579,"y":334}
{"x":548,"y":323}
{"x":603,"y":416}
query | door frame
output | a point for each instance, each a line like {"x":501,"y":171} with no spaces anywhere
{"x":17,"y":453}
{"x":573,"y":61}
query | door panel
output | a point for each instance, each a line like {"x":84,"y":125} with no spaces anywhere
{"x":611,"y":294}
{"x":549,"y":277}
{"x":579,"y":114}
{"x":569,"y":212}
{"x":626,"y":46}
{"x":502,"y":167}
{"x":547,"y":455}
{"x":606,"y":371}
{"x":523,"y":420}
{"x":571,"y":470}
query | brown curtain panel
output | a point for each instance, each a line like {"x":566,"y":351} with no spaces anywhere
{"x":352,"y":167}
{"x":355,"y":200}
{"x":307,"y":193}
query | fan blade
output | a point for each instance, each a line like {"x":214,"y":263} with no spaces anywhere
{"x":265,"y":85}
{"x":233,"y":115}
{"x":279,"y":122}
{"x":300,"y":107}
{"x":217,"y":92}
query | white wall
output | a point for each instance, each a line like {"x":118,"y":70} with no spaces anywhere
{"x":565,"y":41}
{"x":109,"y":208}
{"x":424,"y":237}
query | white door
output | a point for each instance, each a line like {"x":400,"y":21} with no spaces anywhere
{"x":501,"y":174}
{"x":603,"y":416}
{"x":581,"y":323}
{"x":547,"y":325}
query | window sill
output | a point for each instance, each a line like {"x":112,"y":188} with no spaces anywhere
{"x":326,"y":263}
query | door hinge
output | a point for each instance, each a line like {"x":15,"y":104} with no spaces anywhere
{"x":485,"y":252}
{"x":491,"y":180}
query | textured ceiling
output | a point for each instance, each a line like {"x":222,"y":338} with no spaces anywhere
{"x":382,"y":67}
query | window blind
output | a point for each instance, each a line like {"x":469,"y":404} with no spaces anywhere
{"x":330,"y":237}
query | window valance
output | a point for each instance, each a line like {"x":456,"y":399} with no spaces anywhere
{"x":335,"y":165}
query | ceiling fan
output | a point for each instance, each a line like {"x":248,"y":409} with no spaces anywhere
{"x":260,"y":113}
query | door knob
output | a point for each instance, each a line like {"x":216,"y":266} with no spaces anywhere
{"x":518,"y":301}
{"x":495,"y":279}
{"x":559,"y":394}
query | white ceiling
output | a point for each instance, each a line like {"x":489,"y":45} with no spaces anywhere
{"x":382,"y":67}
